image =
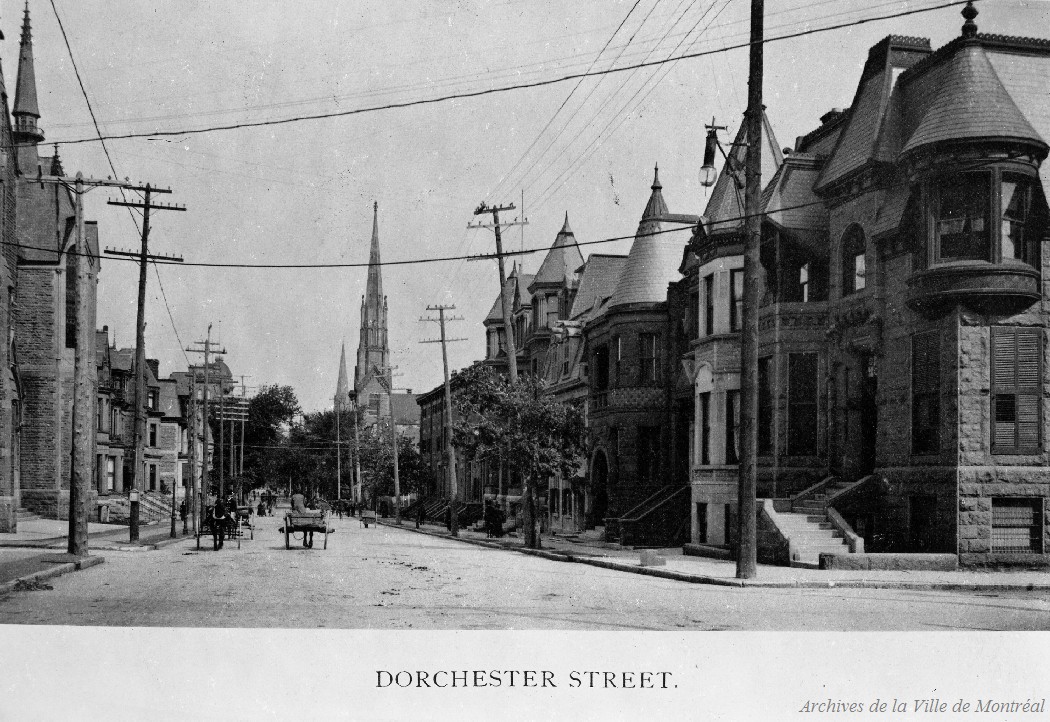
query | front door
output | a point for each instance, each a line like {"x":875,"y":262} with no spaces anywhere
{"x":869,"y":413}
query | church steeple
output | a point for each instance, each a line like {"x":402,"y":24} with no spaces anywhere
{"x":373,"y":351}
{"x":342,"y":386}
{"x":26,"y":112}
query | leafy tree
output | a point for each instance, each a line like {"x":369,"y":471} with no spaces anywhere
{"x":377,"y":463}
{"x":271,"y":413}
{"x":537,"y":435}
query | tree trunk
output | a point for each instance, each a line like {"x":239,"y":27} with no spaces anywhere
{"x":532,"y":537}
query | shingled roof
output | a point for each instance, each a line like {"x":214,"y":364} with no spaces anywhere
{"x":655,"y":256}
{"x":598,"y":278}
{"x":727,"y":195}
{"x":517,"y":282}
{"x":970,"y":103}
{"x":561,"y":260}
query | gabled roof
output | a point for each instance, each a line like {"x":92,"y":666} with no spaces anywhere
{"x":789,"y":200}
{"x":970,"y":103}
{"x":561,"y":261}
{"x":654,"y":257}
{"x":168,"y":401}
{"x":598,"y":278}
{"x":515,"y":287}
{"x":405,"y":409}
{"x":727,"y":195}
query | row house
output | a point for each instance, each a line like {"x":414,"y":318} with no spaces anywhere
{"x":903,"y":333}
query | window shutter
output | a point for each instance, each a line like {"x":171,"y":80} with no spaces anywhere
{"x":1017,"y":389}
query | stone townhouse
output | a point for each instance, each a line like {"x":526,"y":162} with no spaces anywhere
{"x":575,"y":505}
{"x":639,"y":441}
{"x":903,"y":333}
{"x":112,"y":422}
{"x":710,"y":296}
{"x":44,"y":318}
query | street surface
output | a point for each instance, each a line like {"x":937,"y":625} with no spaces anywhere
{"x":385,"y":578}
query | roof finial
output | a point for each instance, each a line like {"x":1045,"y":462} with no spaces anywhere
{"x":656,"y":178}
{"x":565,"y":227}
{"x":375,"y":206}
{"x":969,"y":28}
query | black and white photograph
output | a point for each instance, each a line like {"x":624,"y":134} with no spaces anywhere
{"x":588,"y":359}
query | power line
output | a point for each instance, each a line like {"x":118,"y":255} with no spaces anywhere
{"x":506,"y":88}
{"x":112,"y":167}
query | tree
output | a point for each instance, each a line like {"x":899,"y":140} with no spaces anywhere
{"x":271,"y":413}
{"x":535,"y":434}
{"x":377,"y":463}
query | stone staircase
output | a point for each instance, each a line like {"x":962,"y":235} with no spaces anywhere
{"x":26,"y":515}
{"x":808,"y":526}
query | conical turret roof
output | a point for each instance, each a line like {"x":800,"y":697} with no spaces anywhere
{"x":654,"y":258}
{"x":971,"y":104}
{"x":562,"y":259}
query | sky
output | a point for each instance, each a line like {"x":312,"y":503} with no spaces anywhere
{"x":302,"y":192}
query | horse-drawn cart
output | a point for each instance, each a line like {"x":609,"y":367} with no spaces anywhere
{"x":235,"y":526}
{"x":306,"y":523}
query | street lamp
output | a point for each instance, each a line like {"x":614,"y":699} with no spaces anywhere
{"x":708,"y":176}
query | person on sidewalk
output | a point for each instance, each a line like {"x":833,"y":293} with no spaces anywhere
{"x":218,"y":524}
{"x":420,"y":515}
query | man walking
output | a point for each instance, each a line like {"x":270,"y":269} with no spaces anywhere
{"x":218,"y":524}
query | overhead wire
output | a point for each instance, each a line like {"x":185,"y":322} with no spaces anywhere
{"x":506,"y":88}
{"x":112,"y":167}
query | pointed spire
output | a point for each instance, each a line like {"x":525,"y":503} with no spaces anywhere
{"x":56,"y":163}
{"x":656,"y":207}
{"x":25,"y":110}
{"x":342,"y":386}
{"x":565,"y":230}
{"x":373,"y":350}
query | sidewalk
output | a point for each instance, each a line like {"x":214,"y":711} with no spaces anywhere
{"x":51,"y":534}
{"x":27,"y":569}
{"x":701,"y":570}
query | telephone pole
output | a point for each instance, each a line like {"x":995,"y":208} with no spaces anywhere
{"x":191,"y":490}
{"x":388,"y":386}
{"x":450,"y":458}
{"x":82,"y":451}
{"x":207,"y":351}
{"x":747,"y":563}
{"x":507,"y":305}
{"x":140,"y":347}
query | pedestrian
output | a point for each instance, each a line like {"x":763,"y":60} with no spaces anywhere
{"x":421,"y":513}
{"x":448,"y":517}
{"x":183,"y":512}
{"x":353,"y":509}
{"x":218,"y":524}
{"x":261,"y":510}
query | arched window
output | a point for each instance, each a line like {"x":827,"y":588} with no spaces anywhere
{"x":853,"y":261}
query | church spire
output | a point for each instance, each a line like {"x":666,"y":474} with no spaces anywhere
{"x":373,"y":352}
{"x":342,"y":386}
{"x":26,"y":112}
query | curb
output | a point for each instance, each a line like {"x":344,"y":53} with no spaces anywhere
{"x":742,"y":583}
{"x":57,"y":571}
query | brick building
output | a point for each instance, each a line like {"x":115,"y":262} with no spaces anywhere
{"x":11,"y":401}
{"x":44,"y":320}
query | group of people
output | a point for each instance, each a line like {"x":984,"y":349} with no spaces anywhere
{"x":222,"y":514}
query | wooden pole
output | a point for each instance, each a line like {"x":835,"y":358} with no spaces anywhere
{"x":83,"y":444}
{"x":747,"y":544}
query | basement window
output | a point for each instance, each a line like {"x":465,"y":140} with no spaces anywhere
{"x":1017,"y":526}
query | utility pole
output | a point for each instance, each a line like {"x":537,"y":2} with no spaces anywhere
{"x":207,"y":350}
{"x":388,"y":386}
{"x":450,"y":457}
{"x":356,"y":492}
{"x":507,"y":304}
{"x":244,"y":420}
{"x":140,"y":349}
{"x":191,"y":490}
{"x":82,"y":451}
{"x":747,"y":562}
{"x":338,"y":454}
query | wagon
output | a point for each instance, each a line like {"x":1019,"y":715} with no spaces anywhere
{"x":300,"y":522}
{"x":235,"y":528}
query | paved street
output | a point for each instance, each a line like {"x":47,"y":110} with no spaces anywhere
{"x":384,"y":578}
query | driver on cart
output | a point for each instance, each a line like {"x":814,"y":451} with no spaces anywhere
{"x":299,"y":507}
